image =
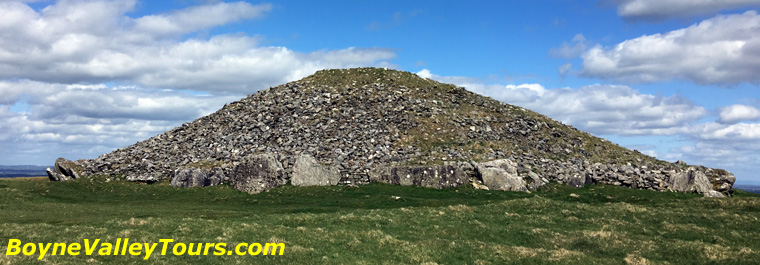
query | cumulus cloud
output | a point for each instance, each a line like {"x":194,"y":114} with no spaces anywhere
{"x":611,"y":109}
{"x":80,"y":78}
{"x":723,"y":50}
{"x":664,"y":9}
{"x":95,"y":41}
{"x":125,"y":103}
{"x":734,"y":132}
{"x":600,"y":109}
{"x":73,"y":119}
{"x":199,"y":17}
{"x":425,"y":73}
{"x":737,"y":113}
{"x":571,"y":50}
{"x":26,"y":139}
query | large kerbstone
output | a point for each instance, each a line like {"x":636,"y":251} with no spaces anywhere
{"x":64,"y":170}
{"x":440,"y":176}
{"x":499,"y":179}
{"x":579,"y":181}
{"x":500,"y":174}
{"x":722,"y":181}
{"x":690,"y":180}
{"x":308,"y":172}
{"x":257,"y":173}
{"x":197,"y":177}
{"x":507,"y":164}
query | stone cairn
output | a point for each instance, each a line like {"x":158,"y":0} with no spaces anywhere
{"x":355,"y":126}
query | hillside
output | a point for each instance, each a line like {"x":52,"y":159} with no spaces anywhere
{"x":374,"y":124}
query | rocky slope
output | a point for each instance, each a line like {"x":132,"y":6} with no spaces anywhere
{"x":352,"y":126}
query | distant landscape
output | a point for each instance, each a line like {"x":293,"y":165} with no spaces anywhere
{"x":22,"y":171}
{"x":749,"y":188}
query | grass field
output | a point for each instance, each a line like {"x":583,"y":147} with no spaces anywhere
{"x":368,"y":225}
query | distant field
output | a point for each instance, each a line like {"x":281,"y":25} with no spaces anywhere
{"x":21,"y":176}
{"x":21,"y":171}
{"x":749,"y":188}
{"x":383,"y":224}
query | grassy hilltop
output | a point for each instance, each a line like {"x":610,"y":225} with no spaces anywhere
{"x":366,"y":225}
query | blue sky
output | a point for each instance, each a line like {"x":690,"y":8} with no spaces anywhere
{"x":672,"y":78}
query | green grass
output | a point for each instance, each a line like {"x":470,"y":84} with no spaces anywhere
{"x":366,"y":225}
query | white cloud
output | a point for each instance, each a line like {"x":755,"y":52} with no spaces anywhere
{"x":723,"y":50}
{"x":568,"y":51}
{"x":600,"y":109}
{"x":646,"y":149}
{"x":734,"y":132}
{"x":79,"y":78}
{"x":612,"y":109}
{"x":95,"y":41}
{"x":737,"y":113}
{"x":425,"y":73}
{"x":663,"y":9}
{"x":199,"y":17}
{"x":71,"y":120}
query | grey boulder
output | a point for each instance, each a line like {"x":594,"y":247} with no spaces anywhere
{"x":500,"y":174}
{"x":308,"y":172}
{"x":691,"y":180}
{"x":440,"y":176}
{"x":64,"y":170}
{"x":198,"y":177}
{"x":257,"y":173}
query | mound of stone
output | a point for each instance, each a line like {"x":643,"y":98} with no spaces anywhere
{"x":354,"y":126}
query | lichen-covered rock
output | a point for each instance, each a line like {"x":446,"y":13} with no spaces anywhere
{"x":500,"y":174}
{"x":198,"y":177}
{"x":499,"y":179}
{"x":579,"y":181}
{"x":691,"y":180}
{"x":441,"y":176}
{"x":258,"y":173}
{"x":308,"y":172}
{"x":713,"y":194}
{"x":535,"y":181}
{"x":721,"y":180}
{"x":64,"y":170}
